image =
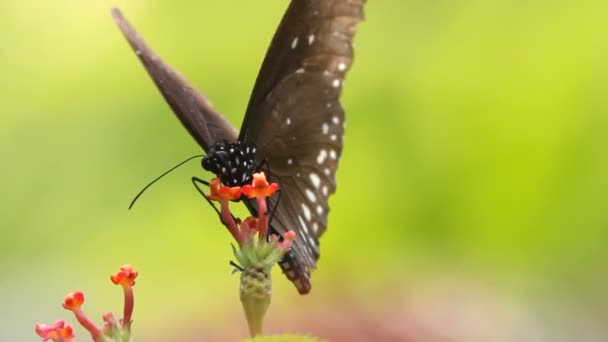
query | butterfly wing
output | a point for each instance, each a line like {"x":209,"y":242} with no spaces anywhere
{"x":296,"y":120}
{"x":192,"y":108}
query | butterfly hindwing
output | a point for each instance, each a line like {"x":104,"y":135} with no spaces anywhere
{"x":302,"y":148}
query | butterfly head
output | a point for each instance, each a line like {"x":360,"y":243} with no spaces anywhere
{"x":233,"y":162}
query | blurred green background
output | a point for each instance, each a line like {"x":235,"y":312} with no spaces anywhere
{"x":471,"y":202}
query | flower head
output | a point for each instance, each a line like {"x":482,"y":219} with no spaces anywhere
{"x":73,"y":301}
{"x":125,"y":277}
{"x":58,"y":331}
{"x":257,"y":252}
{"x":260,"y":187}
{"x":220,"y":192}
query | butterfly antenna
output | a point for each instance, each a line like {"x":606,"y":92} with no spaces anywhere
{"x":161,"y":176}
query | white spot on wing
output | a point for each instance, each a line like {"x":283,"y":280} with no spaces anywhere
{"x":315,"y":179}
{"x":320,"y":209}
{"x":312,"y":240}
{"x":294,"y":43}
{"x":342,"y":66}
{"x":335,"y":119}
{"x":288,"y":121}
{"x":306,"y":211}
{"x":336,"y":83}
{"x":303,"y":224}
{"x":325,"y":190}
{"x":333,"y":137}
{"x":300,"y":71}
{"x":311,"y":196}
{"x":289,"y":161}
{"x":333,"y":154}
{"x":315,"y":228}
{"x":311,"y":39}
{"x":321,"y":157}
{"x":327,"y":171}
{"x":325,"y":128}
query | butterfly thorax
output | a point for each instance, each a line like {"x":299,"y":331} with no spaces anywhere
{"x":233,"y":162}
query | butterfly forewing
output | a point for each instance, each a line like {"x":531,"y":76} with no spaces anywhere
{"x":296,"y":120}
{"x":314,"y":36}
{"x":194,"y":110}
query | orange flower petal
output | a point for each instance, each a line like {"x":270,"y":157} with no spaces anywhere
{"x":260,"y":187}
{"x":67,"y":332}
{"x":125,"y":277}
{"x":48,"y":332}
{"x":220,"y":192}
{"x":73,"y":301}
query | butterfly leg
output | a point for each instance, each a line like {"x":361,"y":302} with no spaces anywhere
{"x":196,"y":181}
{"x":274,"y":208}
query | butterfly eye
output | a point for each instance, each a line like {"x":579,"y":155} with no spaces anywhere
{"x":207,"y":162}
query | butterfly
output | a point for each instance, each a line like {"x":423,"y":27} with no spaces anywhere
{"x":294,"y":122}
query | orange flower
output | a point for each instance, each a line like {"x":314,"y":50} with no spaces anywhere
{"x":223,"y":193}
{"x":58,"y":331}
{"x":259,"y":187}
{"x":73,"y":301}
{"x":125,"y":277}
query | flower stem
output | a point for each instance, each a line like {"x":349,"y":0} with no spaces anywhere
{"x":263,"y":216}
{"x":128,"y":307}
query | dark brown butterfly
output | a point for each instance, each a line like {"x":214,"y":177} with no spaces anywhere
{"x":294,"y":121}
